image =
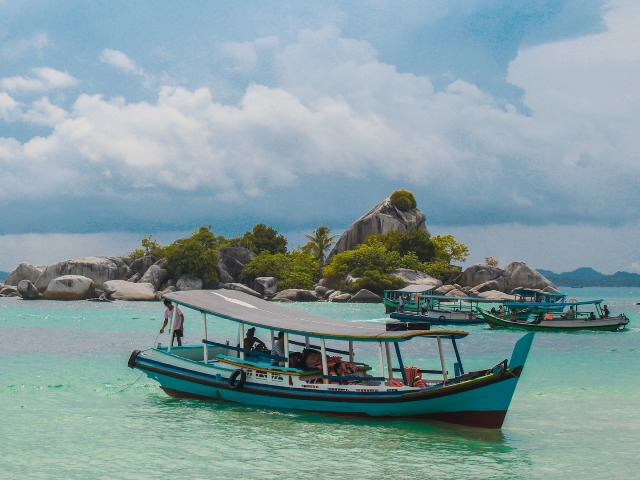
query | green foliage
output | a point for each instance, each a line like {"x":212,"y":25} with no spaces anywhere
{"x":448,"y":249}
{"x":291,"y":270}
{"x":376,"y":282}
{"x":195,"y":256}
{"x":264,"y":239}
{"x":403,"y":200}
{"x":416,"y":241}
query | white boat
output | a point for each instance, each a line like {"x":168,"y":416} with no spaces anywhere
{"x":220,"y":370}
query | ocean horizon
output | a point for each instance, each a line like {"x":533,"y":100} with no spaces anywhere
{"x":73,"y":409}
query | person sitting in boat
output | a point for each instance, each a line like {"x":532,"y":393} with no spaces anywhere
{"x":278,"y":350}
{"x":570,"y":313}
{"x":251,"y":342}
{"x":548,"y":316}
{"x":501,"y":310}
{"x":592,"y":316}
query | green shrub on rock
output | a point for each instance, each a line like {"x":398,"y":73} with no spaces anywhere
{"x":403,"y":200}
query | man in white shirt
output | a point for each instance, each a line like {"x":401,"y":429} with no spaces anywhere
{"x":177,"y":327}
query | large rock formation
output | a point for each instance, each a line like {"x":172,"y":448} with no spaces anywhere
{"x":382,"y":218}
{"x":231,"y":261}
{"x":98,"y":269}
{"x":123,"y":290}
{"x":415,"y":277}
{"x":70,"y":287}
{"x":24,"y":271}
{"x":514,"y":275}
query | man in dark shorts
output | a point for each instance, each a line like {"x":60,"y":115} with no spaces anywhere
{"x":168,"y":315}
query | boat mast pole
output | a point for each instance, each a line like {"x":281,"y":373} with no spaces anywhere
{"x":173,"y":322}
{"x":206,"y":347}
{"x":444,"y":371}
{"x":351,"y":351}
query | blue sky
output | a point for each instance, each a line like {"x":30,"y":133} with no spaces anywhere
{"x":515,"y":124}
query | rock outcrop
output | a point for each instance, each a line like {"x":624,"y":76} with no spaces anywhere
{"x":514,"y":275}
{"x":98,"y":269}
{"x":70,"y":287}
{"x":365,"y":296}
{"x":123,"y":290}
{"x":415,"y":277}
{"x":382,"y":218}
{"x":155,"y":275}
{"x":231,"y":261}
{"x":28,"y":290}
{"x":24,"y":271}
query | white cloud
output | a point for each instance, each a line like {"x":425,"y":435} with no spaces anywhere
{"x":9,"y":107}
{"x":11,"y":49}
{"x":120,"y":61}
{"x":44,"y":79}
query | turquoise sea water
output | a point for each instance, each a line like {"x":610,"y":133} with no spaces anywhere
{"x":71,"y":408}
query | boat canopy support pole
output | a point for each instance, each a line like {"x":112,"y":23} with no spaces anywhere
{"x":381,"y":358}
{"x":389,"y":365}
{"x":204,"y":327}
{"x":444,"y":370}
{"x":351,"y":351}
{"x":325,"y":369}
{"x":241,"y":333}
{"x":455,"y":349}
{"x":400,"y":364}
{"x":173,"y":322}
{"x":286,"y":349}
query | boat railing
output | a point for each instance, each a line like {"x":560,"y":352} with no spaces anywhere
{"x":245,"y":350}
{"x":317,"y":347}
{"x":352,"y":378}
{"x":434,"y":372}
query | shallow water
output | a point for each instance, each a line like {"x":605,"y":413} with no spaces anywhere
{"x":72,"y":409}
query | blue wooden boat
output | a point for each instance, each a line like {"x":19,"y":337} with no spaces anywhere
{"x":217,"y":369}
{"x":405,"y":299}
{"x":445,"y":310}
{"x":561,"y":316}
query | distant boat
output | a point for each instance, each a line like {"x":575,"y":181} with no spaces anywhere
{"x":218,"y":370}
{"x":445,"y":310}
{"x":585,"y":315}
{"x":405,"y":299}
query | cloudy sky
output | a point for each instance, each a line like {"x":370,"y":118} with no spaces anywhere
{"x":515,"y":124}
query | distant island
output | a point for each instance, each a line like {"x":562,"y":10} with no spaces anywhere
{"x":588,"y":277}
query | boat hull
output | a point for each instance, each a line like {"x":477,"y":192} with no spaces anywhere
{"x":479,"y":402}
{"x":601,"y":324}
{"x":440,"y":318}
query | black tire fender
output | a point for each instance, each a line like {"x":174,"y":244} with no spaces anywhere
{"x":234,"y":376}
{"x":442,"y":317}
{"x":132,"y":359}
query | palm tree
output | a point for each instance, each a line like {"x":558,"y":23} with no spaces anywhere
{"x":320,"y":243}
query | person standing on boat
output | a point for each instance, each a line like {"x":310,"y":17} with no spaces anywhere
{"x":401,"y":303}
{"x":605,"y":310}
{"x":278,"y":349}
{"x":168,"y":315}
{"x":501,"y":310}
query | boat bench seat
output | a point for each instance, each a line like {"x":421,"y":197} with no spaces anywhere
{"x":255,"y":363}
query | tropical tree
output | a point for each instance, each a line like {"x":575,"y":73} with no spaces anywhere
{"x":195,"y":256}
{"x":264,"y":239}
{"x":320,"y":243}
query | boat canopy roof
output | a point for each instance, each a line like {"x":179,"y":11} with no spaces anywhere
{"x":452,"y":298}
{"x":535,"y":291}
{"x":414,"y":288}
{"x":243,"y":308}
{"x":553,"y":304}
